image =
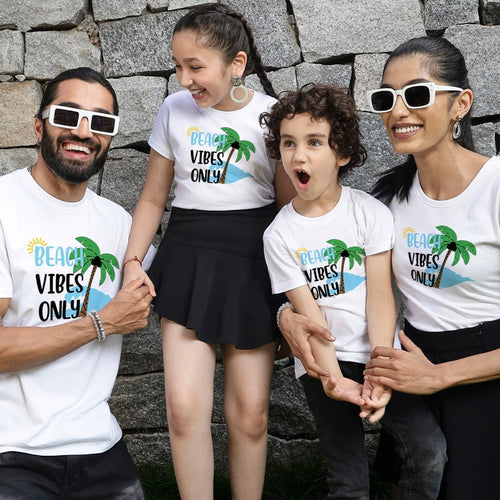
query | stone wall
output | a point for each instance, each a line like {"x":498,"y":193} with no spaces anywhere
{"x":333,"y":41}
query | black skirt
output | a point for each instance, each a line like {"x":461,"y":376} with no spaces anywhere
{"x":210,"y":276}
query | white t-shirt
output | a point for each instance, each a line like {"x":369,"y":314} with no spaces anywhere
{"x":49,"y":250}
{"x":203,"y":141}
{"x":308,"y":250}
{"x":446,"y":258}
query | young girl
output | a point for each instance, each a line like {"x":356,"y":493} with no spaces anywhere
{"x":209,"y":273}
{"x":330,"y":251}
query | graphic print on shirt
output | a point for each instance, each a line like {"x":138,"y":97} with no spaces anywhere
{"x":431,"y":267}
{"x":321,"y":268}
{"x":218,"y":170}
{"x":77,"y":298}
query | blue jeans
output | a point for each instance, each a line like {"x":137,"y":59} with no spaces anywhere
{"x":420,"y":444}
{"x":103,"y":476}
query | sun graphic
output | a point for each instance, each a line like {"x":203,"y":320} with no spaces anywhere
{"x":192,"y":129}
{"x":36,"y":241}
{"x":299,"y":251}
{"x":406,"y":230}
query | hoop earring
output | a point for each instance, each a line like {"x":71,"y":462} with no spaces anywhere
{"x":457,"y":128}
{"x":237,"y":83}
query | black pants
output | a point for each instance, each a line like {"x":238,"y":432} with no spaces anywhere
{"x":467,"y":414}
{"x":103,"y":476}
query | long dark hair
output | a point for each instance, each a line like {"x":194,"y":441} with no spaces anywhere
{"x":224,"y":29}
{"x":444,"y":62}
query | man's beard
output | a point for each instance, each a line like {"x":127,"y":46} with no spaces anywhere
{"x":72,"y":171}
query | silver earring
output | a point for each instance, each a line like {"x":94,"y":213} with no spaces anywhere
{"x":457,"y":128}
{"x":237,"y":83}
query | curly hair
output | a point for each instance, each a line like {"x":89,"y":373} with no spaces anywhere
{"x":325,"y":102}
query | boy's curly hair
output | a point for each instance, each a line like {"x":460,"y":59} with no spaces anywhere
{"x":325,"y":102}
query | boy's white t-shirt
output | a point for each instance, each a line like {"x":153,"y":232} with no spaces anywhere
{"x":446,"y":258}
{"x":203,"y":141}
{"x":49,"y":250}
{"x":309,"y":251}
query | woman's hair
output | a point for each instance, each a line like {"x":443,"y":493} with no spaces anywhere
{"x":223,"y":29}
{"x":444,"y":62}
{"x":322,"y":102}
{"x":88,"y":75}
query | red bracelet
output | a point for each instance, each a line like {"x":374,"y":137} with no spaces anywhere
{"x":128,"y":261}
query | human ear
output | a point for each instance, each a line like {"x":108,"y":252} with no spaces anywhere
{"x":239,"y":63}
{"x":38,"y":127}
{"x":463,"y":102}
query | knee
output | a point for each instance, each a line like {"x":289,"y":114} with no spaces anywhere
{"x":250,"y":422}
{"x":183,"y":416}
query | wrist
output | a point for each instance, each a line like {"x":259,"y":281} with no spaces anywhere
{"x":130,"y":260}
{"x":281,"y":309}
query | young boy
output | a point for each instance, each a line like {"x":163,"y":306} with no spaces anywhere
{"x":329,"y":250}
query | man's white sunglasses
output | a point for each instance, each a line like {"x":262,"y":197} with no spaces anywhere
{"x":415,"y":96}
{"x":65,"y":117}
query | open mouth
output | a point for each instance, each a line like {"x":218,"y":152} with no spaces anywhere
{"x":302,"y":178}
{"x":77,"y":149}
{"x":406,"y":129}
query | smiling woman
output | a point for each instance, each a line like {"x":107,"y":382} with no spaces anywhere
{"x":446,"y":262}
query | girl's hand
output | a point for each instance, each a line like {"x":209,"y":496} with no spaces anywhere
{"x":376,"y":398}
{"x":134,"y":271}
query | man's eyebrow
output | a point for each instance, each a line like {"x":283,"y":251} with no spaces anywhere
{"x":70,"y":104}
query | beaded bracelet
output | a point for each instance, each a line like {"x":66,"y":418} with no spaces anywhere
{"x":281,"y":308}
{"x":99,"y":328}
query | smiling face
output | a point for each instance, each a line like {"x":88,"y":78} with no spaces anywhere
{"x":76,"y":155}
{"x":311,"y":163}
{"x":204,"y":72}
{"x":417,"y":131}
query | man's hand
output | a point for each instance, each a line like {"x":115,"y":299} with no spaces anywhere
{"x":376,"y":398}
{"x":405,"y":371}
{"x":297,"y":329}
{"x":129,"y":310}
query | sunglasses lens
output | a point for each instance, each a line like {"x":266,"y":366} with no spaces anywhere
{"x":382,"y":100}
{"x":418,"y":96}
{"x":66,"y":117}
{"x":103,"y":123}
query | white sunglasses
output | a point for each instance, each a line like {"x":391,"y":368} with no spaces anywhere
{"x":415,"y":96}
{"x":65,"y":117}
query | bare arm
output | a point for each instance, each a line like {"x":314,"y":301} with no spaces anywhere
{"x":410,"y":371}
{"x":22,"y":348}
{"x":147,"y":214}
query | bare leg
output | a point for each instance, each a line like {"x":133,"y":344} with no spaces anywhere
{"x":189,"y":377}
{"x":246,"y":403}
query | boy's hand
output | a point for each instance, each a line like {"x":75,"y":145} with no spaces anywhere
{"x":344,"y":389}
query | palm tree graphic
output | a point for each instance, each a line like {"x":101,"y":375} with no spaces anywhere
{"x":341,"y":250}
{"x":92,"y":257}
{"x":450,"y":243}
{"x":232,"y":141}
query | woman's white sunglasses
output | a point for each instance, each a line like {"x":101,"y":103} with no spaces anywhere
{"x":415,"y":96}
{"x":65,"y":117}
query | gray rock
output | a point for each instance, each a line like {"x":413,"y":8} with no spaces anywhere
{"x":439,"y":14}
{"x":11,"y":52}
{"x":117,"y":9}
{"x":480,"y":46}
{"x":343,"y":27}
{"x":138,"y":45}
{"x":30,"y":14}
{"x":368,"y":69}
{"x":274,"y":36}
{"x":484,"y":139}
{"x":19,"y":102}
{"x":123,"y":178}
{"x":15,"y":158}
{"x":139,"y":98}
{"x":330,"y":74}
{"x":50,"y":52}
{"x":491,"y":11}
